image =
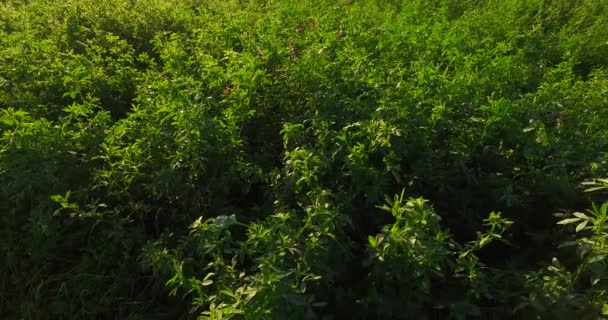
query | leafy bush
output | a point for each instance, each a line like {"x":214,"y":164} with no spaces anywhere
{"x":238,"y":159}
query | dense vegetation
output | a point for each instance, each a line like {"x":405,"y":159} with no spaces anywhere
{"x":234,"y":159}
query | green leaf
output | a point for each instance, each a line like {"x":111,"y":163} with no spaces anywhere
{"x":597,"y":258}
{"x":567,"y":244}
{"x":595,"y":189}
{"x":580,"y":215}
{"x":372,"y":241}
{"x":581,"y":225}
{"x":569,"y":220}
{"x":228,"y":292}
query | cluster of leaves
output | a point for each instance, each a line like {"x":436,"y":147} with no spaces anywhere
{"x":238,"y":159}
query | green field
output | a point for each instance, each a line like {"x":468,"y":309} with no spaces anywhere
{"x":278,"y":159}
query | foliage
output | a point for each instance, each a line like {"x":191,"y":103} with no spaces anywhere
{"x":314,"y":159}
